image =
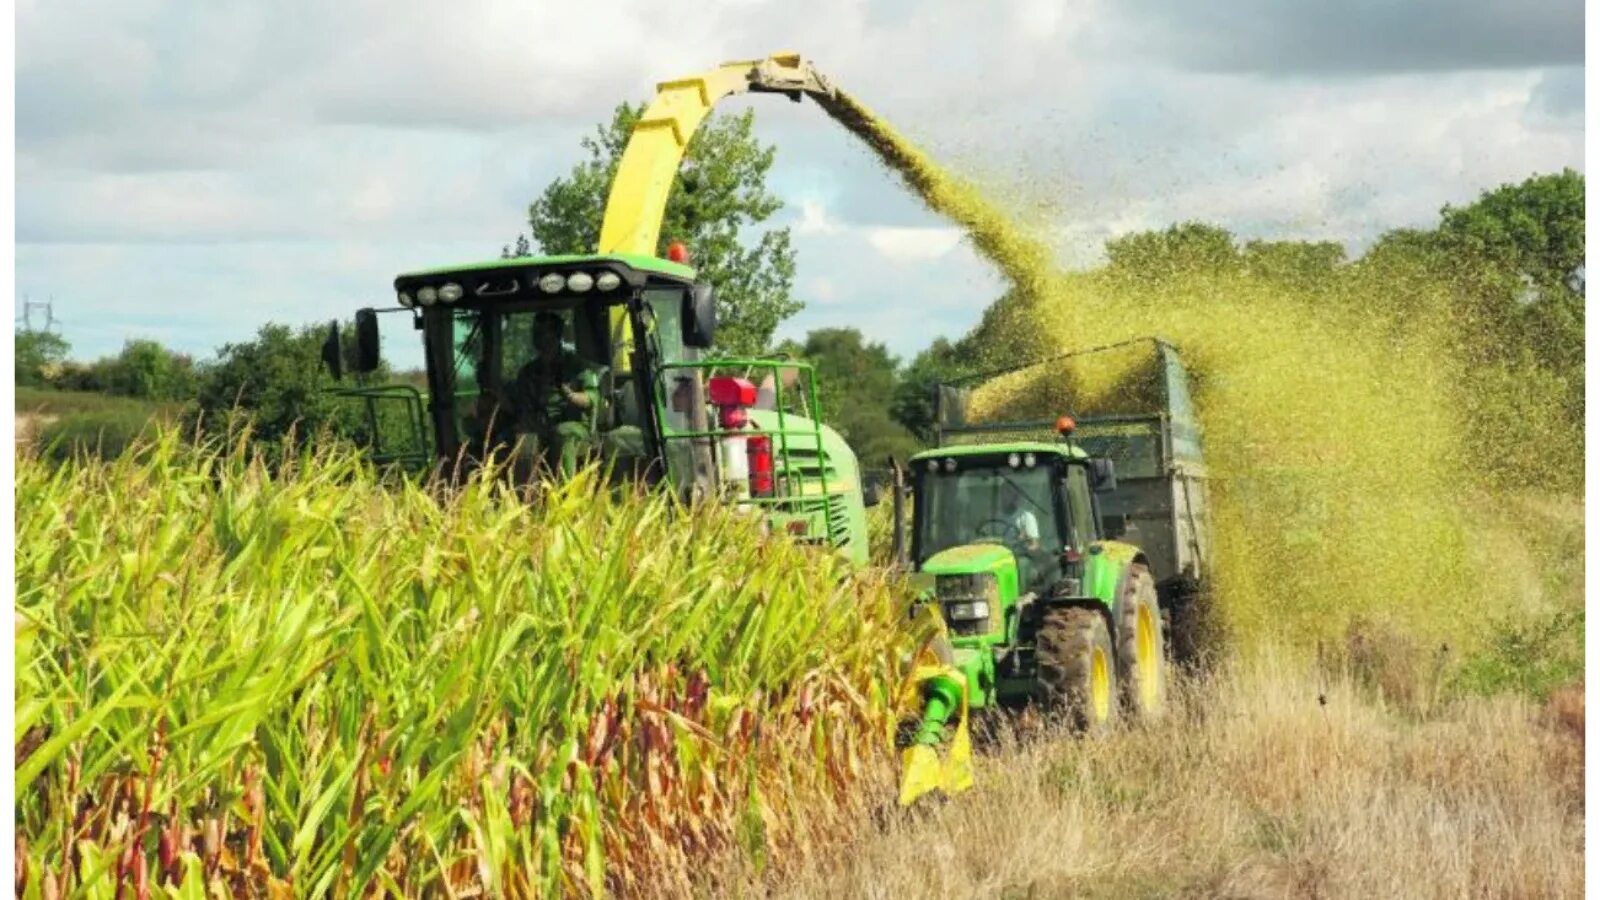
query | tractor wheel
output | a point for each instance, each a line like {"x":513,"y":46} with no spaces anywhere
{"x":1141,"y":651}
{"x":1077,"y":668}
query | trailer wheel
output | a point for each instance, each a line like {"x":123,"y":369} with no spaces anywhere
{"x":1141,"y":650}
{"x":1077,"y":668}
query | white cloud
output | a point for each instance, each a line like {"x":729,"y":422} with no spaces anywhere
{"x":309,"y":150}
{"x":814,"y":218}
{"x":913,"y":245}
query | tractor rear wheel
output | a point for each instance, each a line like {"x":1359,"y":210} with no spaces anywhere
{"x":1141,"y":656}
{"x":1077,"y":668}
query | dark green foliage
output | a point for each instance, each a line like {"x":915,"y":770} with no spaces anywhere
{"x":1529,"y":656}
{"x":856,"y":383}
{"x":1188,"y":248}
{"x":717,"y":203}
{"x":144,"y":369}
{"x":912,"y":404}
{"x":37,"y":354}
{"x":1305,"y":265}
{"x":1528,"y":240}
{"x":278,"y":382}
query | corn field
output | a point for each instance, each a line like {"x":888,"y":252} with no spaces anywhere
{"x":315,"y":680}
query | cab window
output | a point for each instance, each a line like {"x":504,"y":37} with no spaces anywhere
{"x":1080,"y":512}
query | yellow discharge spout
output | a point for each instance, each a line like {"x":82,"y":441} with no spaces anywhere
{"x":639,"y":192}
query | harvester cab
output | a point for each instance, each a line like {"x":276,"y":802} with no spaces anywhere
{"x":558,"y":360}
{"x":1018,"y":549}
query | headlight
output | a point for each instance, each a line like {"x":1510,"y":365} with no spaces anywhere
{"x":406,"y":301}
{"x":967,"y":611}
{"x":1014,"y":460}
{"x":1029,"y":459}
{"x":427,"y":295}
{"x":608,"y":281}
{"x":450,"y":293}
{"x":552,"y":283}
{"x":950,"y":464}
{"x":578,"y":282}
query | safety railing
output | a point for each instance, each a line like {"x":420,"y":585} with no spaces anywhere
{"x":792,"y":492}
{"x":411,"y":423}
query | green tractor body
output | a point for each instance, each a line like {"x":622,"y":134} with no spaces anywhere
{"x":1018,"y":543}
{"x":743,"y":431}
{"x":993,"y":584}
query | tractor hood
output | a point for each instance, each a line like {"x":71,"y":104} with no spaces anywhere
{"x":970,"y":559}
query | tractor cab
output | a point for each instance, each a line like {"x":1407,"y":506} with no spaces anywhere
{"x":1002,"y":522}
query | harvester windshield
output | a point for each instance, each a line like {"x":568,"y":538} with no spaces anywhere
{"x":540,"y":376}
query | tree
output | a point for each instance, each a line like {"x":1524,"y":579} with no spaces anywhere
{"x":1306,"y":265}
{"x":856,"y":383}
{"x":1182,"y":249}
{"x":37,"y":354}
{"x":146,"y":369}
{"x":520,"y":247}
{"x":279,"y":382}
{"x":718,"y":199}
{"x":1531,"y":236}
{"x":912,"y":406}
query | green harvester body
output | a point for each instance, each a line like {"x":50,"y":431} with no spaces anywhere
{"x":645,"y":324}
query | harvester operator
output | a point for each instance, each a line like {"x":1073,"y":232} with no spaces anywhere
{"x":554,"y":398}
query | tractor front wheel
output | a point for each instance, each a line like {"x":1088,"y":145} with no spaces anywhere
{"x":1141,"y":657}
{"x":1077,"y":668}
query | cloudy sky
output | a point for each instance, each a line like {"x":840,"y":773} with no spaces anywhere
{"x":188,"y":171}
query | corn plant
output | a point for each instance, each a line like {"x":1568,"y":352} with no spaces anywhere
{"x":314,"y":679}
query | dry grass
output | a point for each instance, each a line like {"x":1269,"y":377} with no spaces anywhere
{"x":1267,"y":783}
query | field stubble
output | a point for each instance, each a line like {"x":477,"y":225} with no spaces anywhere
{"x":1269,"y":781}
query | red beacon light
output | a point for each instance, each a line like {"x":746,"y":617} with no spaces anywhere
{"x":1065,"y":426}
{"x":732,"y":396}
{"x":747,"y":457}
{"x":677,"y":252}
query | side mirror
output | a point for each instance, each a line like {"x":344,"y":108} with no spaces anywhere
{"x":366,"y":340}
{"x":699,"y":316}
{"x":333,"y":352}
{"x":1104,"y":475}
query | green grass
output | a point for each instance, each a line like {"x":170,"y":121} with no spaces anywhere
{"x":49,"y":402}
{"x":78,"y":423}
{"x":354,"y":686}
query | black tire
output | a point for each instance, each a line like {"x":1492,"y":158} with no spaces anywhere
{"x":1077,"y":669}
{"x":1142,"y":658}
{"x":1194,"y":633}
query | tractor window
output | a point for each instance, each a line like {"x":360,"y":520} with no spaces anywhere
{"x":1079,"y":510}
{"x":679,"y":387}
{"x":984,"y":502}
{"x":470,"y":346}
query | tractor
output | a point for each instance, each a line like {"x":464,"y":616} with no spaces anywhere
{"x":1019,"y":550}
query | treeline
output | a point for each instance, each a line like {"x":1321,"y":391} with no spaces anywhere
{"x":1510,"y":266}
{"x":1505,"y":275}
{"x":276,"y":381}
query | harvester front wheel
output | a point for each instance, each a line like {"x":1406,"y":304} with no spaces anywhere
{"x":1141,"y":656}
{"x":1077,"y":668}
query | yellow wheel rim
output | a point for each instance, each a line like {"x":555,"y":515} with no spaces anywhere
{"x":1100,"y":685}
{"x":1149,"y":661}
